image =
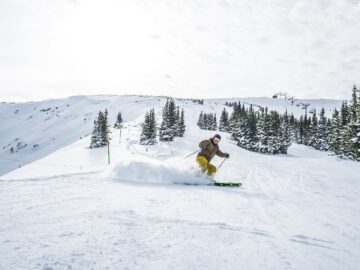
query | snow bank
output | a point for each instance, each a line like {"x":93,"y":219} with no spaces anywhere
{"x":148,"y":170}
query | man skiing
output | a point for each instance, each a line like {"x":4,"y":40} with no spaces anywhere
{"x":209,"y":148}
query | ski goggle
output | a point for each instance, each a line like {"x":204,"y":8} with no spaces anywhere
{"x":216,"y":140}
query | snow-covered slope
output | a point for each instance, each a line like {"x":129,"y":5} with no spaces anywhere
{"x":36,"y":129}
{"x":71,"y":210}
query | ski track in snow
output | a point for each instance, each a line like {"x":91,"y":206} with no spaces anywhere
{"x":295,"y":211}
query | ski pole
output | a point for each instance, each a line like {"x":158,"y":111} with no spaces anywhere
{"x":191,"y":154}
{"x":222,"y":163}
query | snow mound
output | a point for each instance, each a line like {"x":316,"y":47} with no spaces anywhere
{"x":148,"y":170}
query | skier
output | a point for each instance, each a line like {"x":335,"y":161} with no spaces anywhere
{"x":209,"y":148}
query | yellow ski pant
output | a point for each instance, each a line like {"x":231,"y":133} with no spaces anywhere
{"x":205,"y":166}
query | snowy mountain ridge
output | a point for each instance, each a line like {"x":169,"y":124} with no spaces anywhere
{"x":33,"y":130}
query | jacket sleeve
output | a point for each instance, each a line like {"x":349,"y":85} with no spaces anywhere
{"x":204,"y":143}
{"x":220,"y":153}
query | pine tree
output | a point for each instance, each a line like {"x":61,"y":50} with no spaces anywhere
{"x":148,"y":133}
{"x":208,"y":121}
{"x":182,"y":126}
{"x":145,"y":129}
{"x":273,"y":141}
{"x":224,"y":121}
{"x":322,"y":135}
{"x":177,"y":122}
{"x":313,"y":130}
{"x":352,"y":130}
{"x":169,"y":128}
{"x":260,"y":131}
{"x":300,"y":131}
{"x":119,"y":120}
{"x":252,"y":134}
{"x":214,"y":125}
{"x":234,"y":118}
{"x":345,"y":128}
{"x":95,"y":137}
{"x":335,"y":138}
{"x":293,"y":123}
{"x":104,"y":127}
{"x":353,"y":140}
{"x":354,"y":104}
{"x":285,"y":136}
{"x":240,"y":132}
{"x":345,"y":136}
{"x":166,"y":132}
{"x":100,"y":134}
{"x":306,"y":130}
{"x":263,"y":131}
{"x":200,"y":122}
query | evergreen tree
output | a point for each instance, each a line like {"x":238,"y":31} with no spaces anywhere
{"x":182,"y":126}
{"x":177,"y":122}
{"x":166,"y":132}
{"x":260,"y":131}
{"x":345,"y":133}
{"x":200,"y":122}
{"x":345,"y":128}
{"x":306,"y":130}
{"x":263,"y":131}
{"x":207,"y":121}
{"x":313,"y":130}
{"x":293,"y":123}
{"x":104,"y":127}
{"x":321,"y":141}
{"x":353,"y":140}
{"x":345,"y":114}
{"x":235,"y":116}
{"x":252,"y":133}
{"x":274,"y":128}
{"x":285,"y":136}
{"x":352,"y":130}
{"x":240,"y":132}
{"x":224,"y":121}
{"x":95,"y":137}
{"x":335,"y":139}
{"x":171,"y":122}
{"x":148,"y":133}
{"x":119,"y":120}
{"x":354,"y":104}
{"x":100,"y":134}
{"x":214,"y":125}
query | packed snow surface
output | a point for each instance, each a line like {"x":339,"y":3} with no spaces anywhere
{"x":71,"y":210}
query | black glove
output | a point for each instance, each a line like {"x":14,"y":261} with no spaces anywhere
{"x":202,"y":147}
{"x":227,"y":155}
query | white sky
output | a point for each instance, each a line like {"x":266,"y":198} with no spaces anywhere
{"x":183,"y":48}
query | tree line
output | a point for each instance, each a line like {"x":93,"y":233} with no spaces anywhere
{"x":339,"y":134}
{"x":207,"y":121}
{"x":172,"y":124}
{"x":270,"y":132}
{"x":257,"y":130}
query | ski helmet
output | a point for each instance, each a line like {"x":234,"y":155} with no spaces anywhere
{"x":217,"y":136}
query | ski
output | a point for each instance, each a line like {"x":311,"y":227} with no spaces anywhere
{"x":217,"y":184}
{"x":227,"y":184}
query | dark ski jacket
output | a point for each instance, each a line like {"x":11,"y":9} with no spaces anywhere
{"x":210,"y":151}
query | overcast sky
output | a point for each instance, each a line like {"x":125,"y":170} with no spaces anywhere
{"x":187,"y":48}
